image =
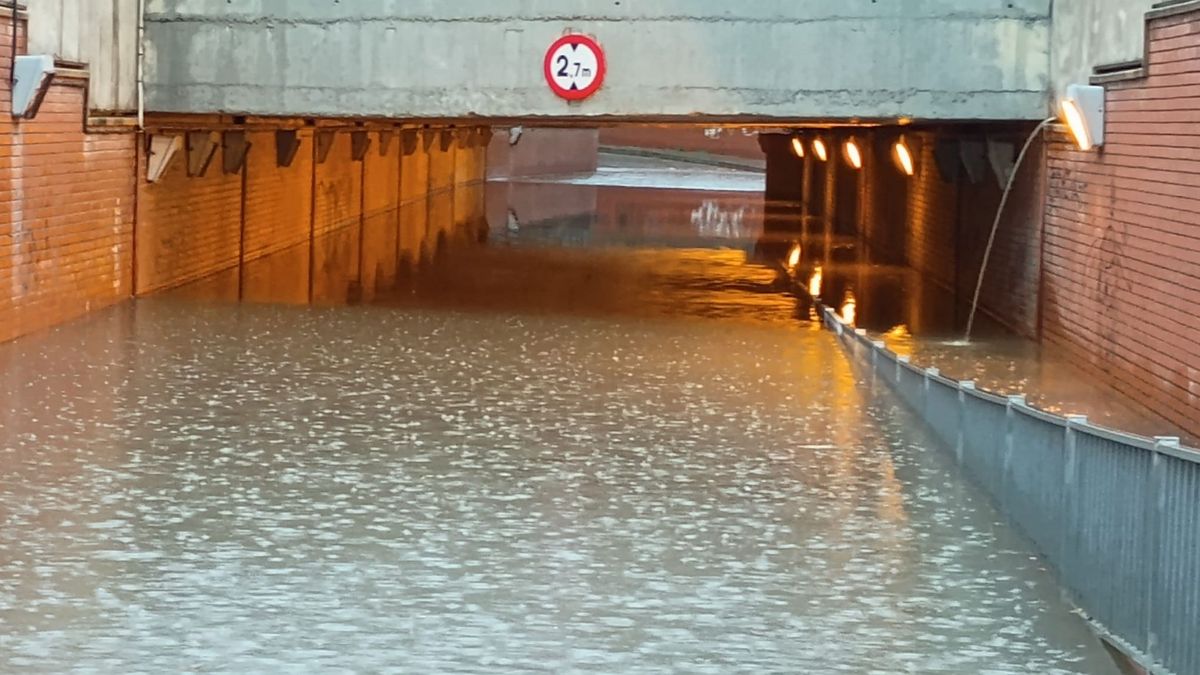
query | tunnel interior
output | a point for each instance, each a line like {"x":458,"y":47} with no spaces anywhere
{"x":365,"y":213}
{"x":581,"y":394}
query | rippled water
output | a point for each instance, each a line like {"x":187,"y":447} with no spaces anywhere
{"x":643,"y":463}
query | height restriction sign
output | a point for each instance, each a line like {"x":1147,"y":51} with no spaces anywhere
{"x":575,"y":67}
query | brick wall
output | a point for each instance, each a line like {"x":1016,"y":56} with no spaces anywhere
{"x":932,"y":218}
{"x":381,"y":216}
{"x":74,"y":201}
{"x":337,"y":221}
{"x":188,"y":227}
{"x":327,"y":231}
{"x":950,"y":220}
{"x":414,"y":205}
{"x":278,"y":217}
{"x":1122,"y":249}
{"x":470,"y":217}
{"x":441,"y":193}
{"x":66,"y":208}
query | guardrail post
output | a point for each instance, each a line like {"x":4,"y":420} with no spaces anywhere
{"x":1069,"y":496}
{"x":1009,"y":447}
{"x":960,"y":443}
{"x":1157,"y":496}
{"x":929,"y":372}
{"x":878,"y":347}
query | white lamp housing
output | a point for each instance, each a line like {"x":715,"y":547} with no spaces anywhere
{"x":1083,"y":111}
{"x":32,"y":75}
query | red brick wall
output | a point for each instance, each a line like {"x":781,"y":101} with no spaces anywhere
{"x":949,"y":223}
{"x":932,"y":216}
{"x":381,"y":201}
{"x":188,"y":227}
{"x":414,"y":207}
{"x":327,"y":232}
{"x":278,"y":217}
{"x":1122,"y":249}
{"x":441,"y":192}
{"x":66,"y":208}
{"x":337,"y":222}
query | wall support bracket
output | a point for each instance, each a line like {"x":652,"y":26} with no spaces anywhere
{"x":159,"y":153}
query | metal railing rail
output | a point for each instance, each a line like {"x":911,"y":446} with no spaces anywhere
{"x":1116,"y":515}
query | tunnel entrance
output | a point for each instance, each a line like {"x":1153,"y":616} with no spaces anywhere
{"x":588,"y":420}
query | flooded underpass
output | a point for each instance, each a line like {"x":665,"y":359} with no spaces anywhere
{"x":599,"y":433}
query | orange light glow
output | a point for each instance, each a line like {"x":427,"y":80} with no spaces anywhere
{"x":904,"y":158}
{"x":798,"y":146}
{"x":854,"y":155}
{"x":814,"y":282}
{"x":1078,"y":126}
{"x":794,"y":257}
{"x":850,"y":309}
{"x":820,"y":150}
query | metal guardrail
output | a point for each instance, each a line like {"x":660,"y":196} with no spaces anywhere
{"x":1116,"y":515}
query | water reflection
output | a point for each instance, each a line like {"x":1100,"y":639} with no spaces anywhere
{"x":924,"y":321}
{"x":592,"y":441}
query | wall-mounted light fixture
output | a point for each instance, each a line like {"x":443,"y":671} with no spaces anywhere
{"x":32,"y":75}
{"x":798,"y":146}
{"x":820,"y":150}
{"x":1082,"y":110}
{"x":853,"y":154}
{"x":904,"y":157}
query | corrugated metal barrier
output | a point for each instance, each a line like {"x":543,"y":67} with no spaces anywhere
{"x":1116,"y":515}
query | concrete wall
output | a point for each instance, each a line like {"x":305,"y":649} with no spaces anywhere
{"x":543,"y":152}
{"x":99,"y":33}
{"x":1122,"y":251}
{"x":727,"y":142}
{"x":1090,"y":33}
{"x":976,"y":59}
{"x":66,"y":209}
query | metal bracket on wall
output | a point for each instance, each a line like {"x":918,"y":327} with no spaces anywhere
{"x":973,"y":154}
{"x":324,"y":144}
{"x":408,"y":141}
{"x":160,"y":151}
{"x":1002,"y":156}
{"x":32,"y":75}
{"x":201,"y":148}
{"x":234,"y":149}
{"x":359,"y":143}
{"x":385,"y":142}
{"x":287,"y":144}
{"x":946,"y":156}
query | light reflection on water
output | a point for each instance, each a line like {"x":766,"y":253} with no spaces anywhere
{"x":919,"y":319}
{"x":526,"y":456}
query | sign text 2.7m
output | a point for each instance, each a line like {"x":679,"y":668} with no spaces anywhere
{"x":575,"y":67}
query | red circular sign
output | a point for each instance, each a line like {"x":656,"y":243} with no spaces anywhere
{"x":575,"y":67}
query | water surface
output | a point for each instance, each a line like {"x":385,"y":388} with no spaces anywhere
{"x":538,"y":454}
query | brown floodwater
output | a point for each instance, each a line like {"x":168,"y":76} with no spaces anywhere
{"x":600,"y":435}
